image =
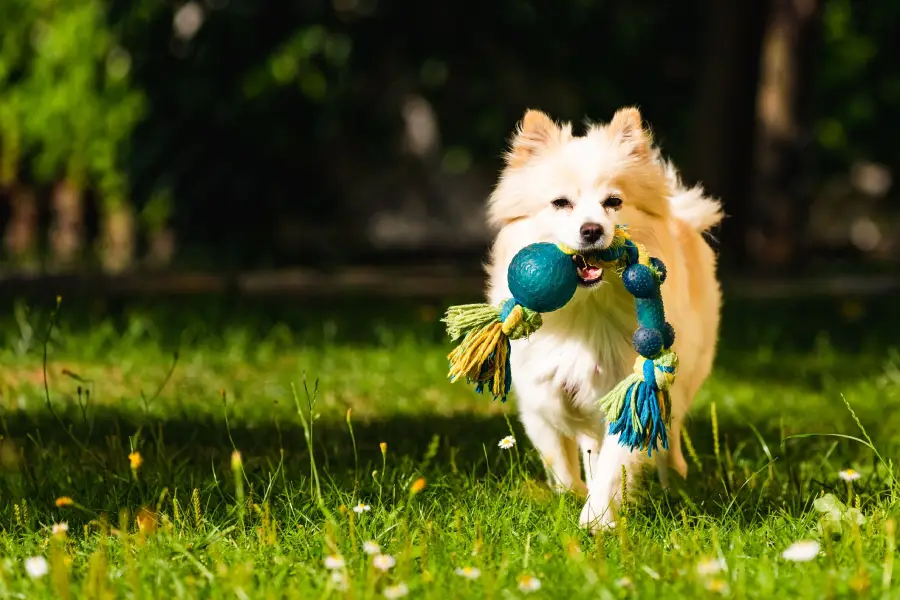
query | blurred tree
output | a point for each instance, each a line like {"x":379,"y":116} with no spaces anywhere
{"x":20,"y":236}
{"x":784,"y":144}
{"x":722,"y":152}
{"x":70,"y":115}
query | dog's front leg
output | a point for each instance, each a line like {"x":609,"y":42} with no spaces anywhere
{"x":559,"y":452}
{"x":604,"y":493}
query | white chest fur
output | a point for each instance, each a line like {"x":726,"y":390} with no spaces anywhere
{"x":579,"y":354}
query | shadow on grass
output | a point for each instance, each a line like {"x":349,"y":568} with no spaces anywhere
{"x":459,"y":451}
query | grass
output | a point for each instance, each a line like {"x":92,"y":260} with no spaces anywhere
{"x":187,"y":383}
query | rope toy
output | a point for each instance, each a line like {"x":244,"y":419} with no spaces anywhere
{"x":543,"y":278}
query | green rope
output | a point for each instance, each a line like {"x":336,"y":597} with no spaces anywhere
{"x":464,"y":318}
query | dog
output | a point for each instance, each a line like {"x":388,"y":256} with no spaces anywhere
{"x":573,"y":190}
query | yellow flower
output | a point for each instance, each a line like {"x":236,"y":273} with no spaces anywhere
{"x":64,"y":501}
{"x":383,"y":446}
{"x":418,"y":485}
{"x":146,"y":521}
{"x":236,"y":461}
{"x":136,"y":460}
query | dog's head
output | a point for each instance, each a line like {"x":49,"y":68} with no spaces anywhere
{"x":575,"y":190}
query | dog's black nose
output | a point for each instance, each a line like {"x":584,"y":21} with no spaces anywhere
{"x":591,"y":232}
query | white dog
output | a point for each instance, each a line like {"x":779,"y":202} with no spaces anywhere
{"x":571,"y":190}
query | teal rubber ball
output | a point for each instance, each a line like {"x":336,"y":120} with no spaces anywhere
{"x":542,"y":277}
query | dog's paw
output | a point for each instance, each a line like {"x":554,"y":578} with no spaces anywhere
{"x":598,"y":515}
{"x":578,"y":488}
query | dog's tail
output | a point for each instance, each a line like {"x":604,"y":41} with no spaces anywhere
{"x":691,"y":205}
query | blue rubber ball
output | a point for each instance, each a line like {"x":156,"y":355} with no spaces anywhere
{"x":542,"y":277}
{"x":648,"y":342}
{"x":639,"y":281}
{"x":668,"y":333}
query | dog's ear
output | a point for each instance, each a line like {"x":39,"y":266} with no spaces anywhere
{"x":536,"y":131}
{"x":628,"y":126}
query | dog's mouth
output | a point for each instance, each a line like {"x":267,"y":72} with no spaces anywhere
{"x":588,"y":274}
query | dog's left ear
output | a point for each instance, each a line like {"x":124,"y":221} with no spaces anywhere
{"x":628,"y":126}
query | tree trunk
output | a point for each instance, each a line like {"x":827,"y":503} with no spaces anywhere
{"x":117,"y":237}
{"x":21,"y":235}
{"x":784,"y":135}
{"x":723,"y":148}
{"x":67,"y":230}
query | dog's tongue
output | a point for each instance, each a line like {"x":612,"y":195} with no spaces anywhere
{"x":589,"y":273}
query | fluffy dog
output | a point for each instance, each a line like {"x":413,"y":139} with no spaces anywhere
{"x":573,"y":190}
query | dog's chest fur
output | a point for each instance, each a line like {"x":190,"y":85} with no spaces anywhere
{"x":580,"y":353}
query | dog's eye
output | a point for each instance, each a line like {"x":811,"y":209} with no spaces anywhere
{"x":612,"y":202}
{"x":562,"y":203}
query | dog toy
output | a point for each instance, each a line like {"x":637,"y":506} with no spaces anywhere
{"x":543,"y":278}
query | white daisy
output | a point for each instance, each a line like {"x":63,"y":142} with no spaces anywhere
{"x":718,"y":586}
{"x":529,"y":583}
{"x":653,"y":574}
{"x":396,"y":591}
{"x":59,"y":528}
{"x":383,"y":562}
{"x":469,"y":572}
{"x":334,"y":562}
{"x":371,"y":548}
{"x":507,"y":442}
{"x":710,"y":566}
{"x":801,"y":551}
{"x":339,"y":580}
{"x":849,"y":475}
{"x":361,"y":508}
{"x":36,"y":566}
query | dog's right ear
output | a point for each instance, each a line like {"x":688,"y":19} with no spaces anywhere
{"x":536,"y":131}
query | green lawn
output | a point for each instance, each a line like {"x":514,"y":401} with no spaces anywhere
{"x":189,"y":522}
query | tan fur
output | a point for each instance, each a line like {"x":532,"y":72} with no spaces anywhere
{"x":584,"y":348}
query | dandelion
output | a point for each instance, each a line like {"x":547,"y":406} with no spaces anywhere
{"x":146,"y":521}
{"x":136,"y":460}
{"x":236,"y":461}
{"x":710,"y":566}
{"x":469,"y":572}
{"x":361,"y":508}
{"x":396,"y":591}
{"x":529,"y":583}
{"x":718,"y":586}
{"x":339,"y":580}
{"x":383,"y":446}
{"x":63,"y":501}
{"x":334,"y":562}
{"x":383,"y":562}
{"x":371,"y":548}
{"x":418,"y":485}
{"x":849,"y":475}
{"x":507,"y":442}
{"x":60,"y":529}
{"x":36,"y":566}
{"x":802,"y":551}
